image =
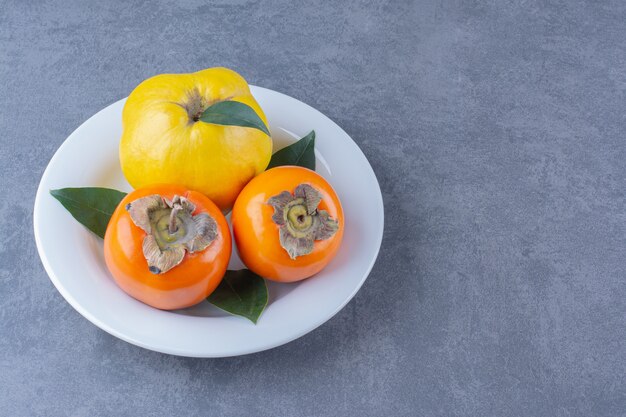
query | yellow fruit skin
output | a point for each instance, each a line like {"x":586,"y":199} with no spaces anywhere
{"x":161,"y":144}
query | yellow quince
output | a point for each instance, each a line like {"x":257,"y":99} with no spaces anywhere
{"x":165,"y":141}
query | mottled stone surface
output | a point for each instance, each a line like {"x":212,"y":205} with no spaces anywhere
{"x":497,"y":131}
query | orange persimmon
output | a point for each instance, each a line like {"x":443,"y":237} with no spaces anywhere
{"x":167,"y":246}
{"x":287,"y":223}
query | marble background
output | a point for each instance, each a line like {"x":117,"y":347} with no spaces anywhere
{"x":496,"y":130}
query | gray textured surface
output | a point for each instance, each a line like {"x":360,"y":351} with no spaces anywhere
{"x":497,"y":131}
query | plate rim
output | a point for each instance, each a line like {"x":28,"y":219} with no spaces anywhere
{"x":180,"y":352}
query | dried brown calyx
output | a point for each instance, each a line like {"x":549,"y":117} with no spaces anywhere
{"x":171,"y":229}
{"x":301,"y":223}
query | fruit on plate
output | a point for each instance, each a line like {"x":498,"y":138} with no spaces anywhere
{"x":288,"y":224}
{"x":167,"y":246}
{"x":164,"y":139}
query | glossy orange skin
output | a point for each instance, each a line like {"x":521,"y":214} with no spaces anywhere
{"x":257,"y":236}
{"x":182,"y":286}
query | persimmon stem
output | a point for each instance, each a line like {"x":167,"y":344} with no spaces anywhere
{"x":172,"y":226}
{"x":299,"y":220}
{"x":171,"y":230}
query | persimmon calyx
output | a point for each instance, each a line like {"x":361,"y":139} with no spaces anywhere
{"x":300,"y":222}
{"x":171,"y":230}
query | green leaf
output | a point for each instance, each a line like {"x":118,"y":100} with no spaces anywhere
{"x":301,"y":153}
{"x":242,"y":293}
{"x":91,"y":206}
{"x":233,"y":113}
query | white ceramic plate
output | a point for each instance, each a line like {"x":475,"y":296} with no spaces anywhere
{"x":73,"y":256}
